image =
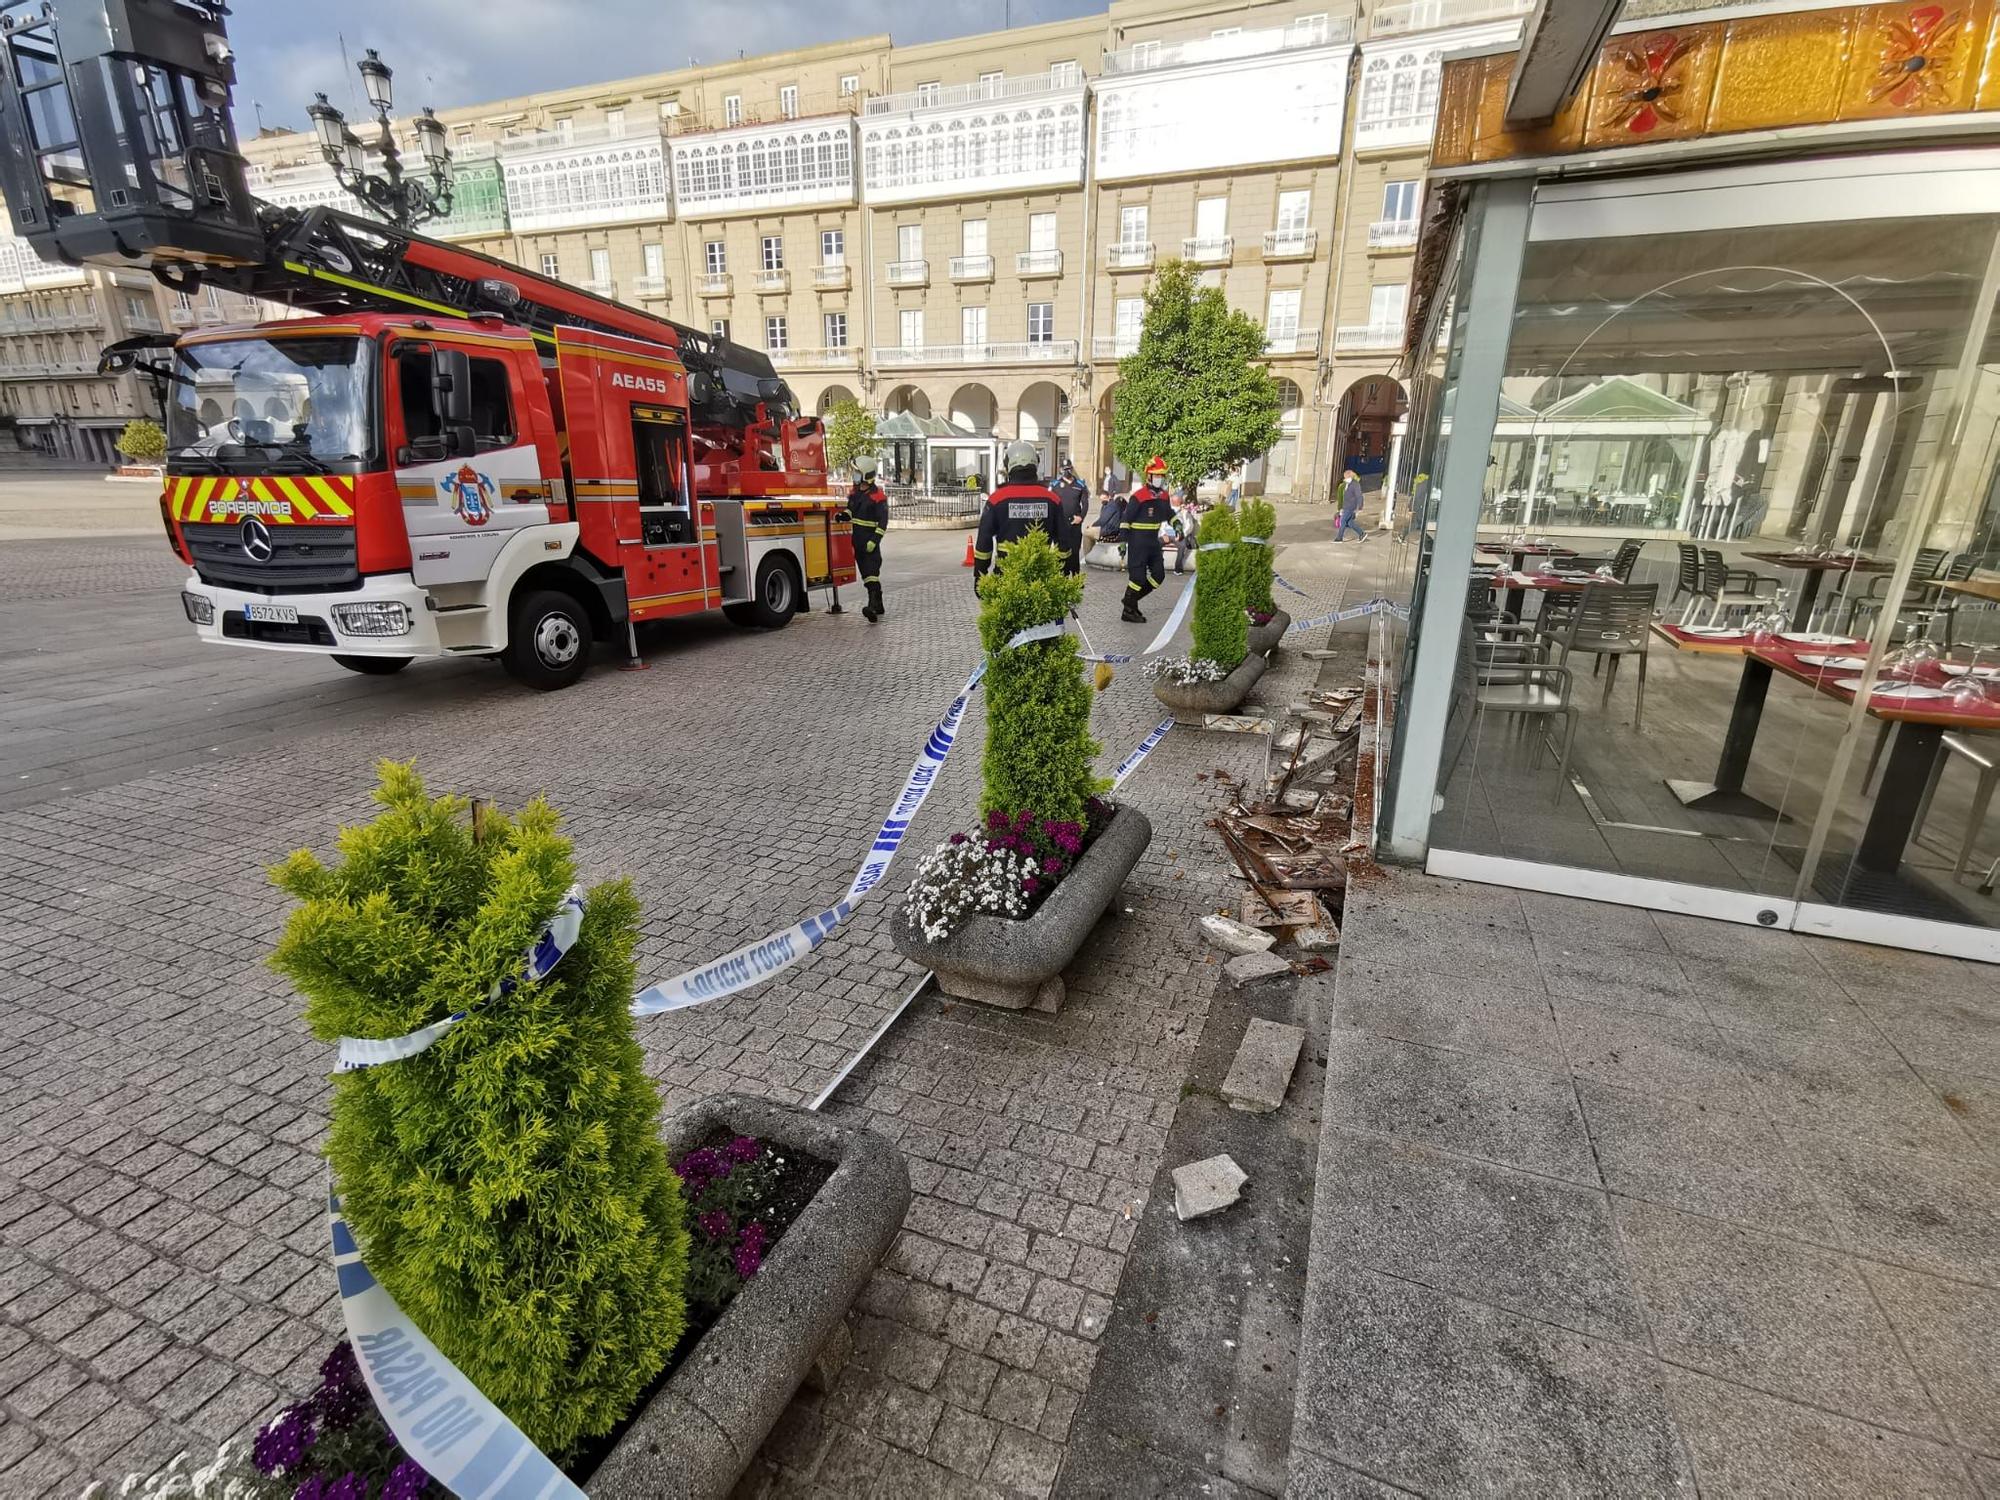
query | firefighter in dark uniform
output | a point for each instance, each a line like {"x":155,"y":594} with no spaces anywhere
{"x":1074,"y":495}
{"x":1151,"y":507}
{"x":868,"y":507}
{"x":1014,"y":509}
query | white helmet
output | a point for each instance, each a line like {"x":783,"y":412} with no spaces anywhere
{"x":866,"y":465}
{"x":1022,"y":454}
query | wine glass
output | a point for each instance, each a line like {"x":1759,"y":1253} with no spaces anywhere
{"x":1971,"y":690}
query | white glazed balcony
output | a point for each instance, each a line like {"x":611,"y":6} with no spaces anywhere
{"x":1128,"y":257}
{"x":1301,"y":341}
{"x":1392,"y":234}
{"x":650,"y":286}
{"x":1218,"y":250}
{"x":1150,"y":57}
{"x":591,"y":178}
{"x":832,"y":278}
{"x":1402,"y":16}
{"x":815,"y":359}
{"x":774,"y":283}
{"x":1353,"y":338}
{"x":1114,"y":345}
{"x":600,"y":286}
{"x":714,"y":284}
{"x":909,"y":273}
{"x":1033,"y":263}
{"x":1290,"y":244}
{"x":972,"y":141}
{"x":972,"y":268}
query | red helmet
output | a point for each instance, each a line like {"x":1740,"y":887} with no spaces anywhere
{"x":1155,"y":465}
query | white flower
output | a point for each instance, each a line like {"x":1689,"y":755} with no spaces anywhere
{"x":1186,"y":670}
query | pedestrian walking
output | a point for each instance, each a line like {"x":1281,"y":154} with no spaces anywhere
{"x":1187,"y":525}
{"x":1016,"y":508}
{"x":1145,"y":565}
{"x":868,"y":509}
{"x":1074,"y":496}
{"x":1350,"y":508}
{"x":1420,"y":500}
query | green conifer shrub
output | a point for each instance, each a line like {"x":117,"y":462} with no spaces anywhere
{"x":1258,"y":518}
{"x":1039,"y":751}
{"x":1221,"y":629}
{"x":508,"y":1186}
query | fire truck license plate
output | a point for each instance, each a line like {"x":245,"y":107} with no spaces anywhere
{"x":272,"y":614}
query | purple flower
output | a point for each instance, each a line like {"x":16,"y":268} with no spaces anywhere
{"x":749,"y":1250}
{"x":405,"y":1482}
{"x":1024,"y":820}
{"x":958,"y":838}
{"x":340,"y":1367}
{"x":284,"y":1440}
{"x":350,"y":1486}
{"x":1052,"y":866}
{"x":996,"y":819}
{"x":340,"y":1406}
{"x":745,"y":1148}
{"x":313,"y":1489}
{"x":1030,"y":884}
{"x":700,"y":1167}
{"x":715,"y":1224}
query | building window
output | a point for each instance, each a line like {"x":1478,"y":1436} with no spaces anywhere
{"x":1294,"y":211}
{"x":850,"y":83}
{"x":1386,"y":305}
{"x":774,"y":252}
{"x":835,"y":326}
{"x":989,"y":85}
{"x":972,"y":325}
{"x":550,"y":266}
{"x":788,"y":101}
{"x":1211,"y":219}
{"x":732,"y":109}
{"x":1281,"y":317}
{"x":833,"y":248}
{"x":565,"y":129}
{"x":614,"y":124}
{"x":927,"y":94}
{"x":715,"y":257}
{"x":719,"y":328}
{"x":1041,"y":232}
{"x":600,"y":268}
{"x":909,"y":242}
{"x":910,"y":327}
{"x":774,"y":334}
{"x":1310,"y":31}
{"x":1128,"y":316}
{"x":972,"y":236}
{"x":655,"y":257}
{"x":1132,"y":224}
{"x":1041,"y":322}
{"x":1063,"y":75}
{"x":1399,"y":201}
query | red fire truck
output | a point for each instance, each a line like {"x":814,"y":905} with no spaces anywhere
{"x":448,"y":455}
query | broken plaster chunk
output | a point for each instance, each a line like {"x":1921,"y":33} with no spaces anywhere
{"x":1321,"y":937}
{"x":1207,"y":1187}
{"x":1232,"y":936}
{"x":1263,"y":1067}
{"x":1251,"y":968}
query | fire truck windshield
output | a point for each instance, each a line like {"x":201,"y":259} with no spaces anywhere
{"x":268,"y":404}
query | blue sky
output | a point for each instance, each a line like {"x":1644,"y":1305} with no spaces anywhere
{"x":450,"y":52}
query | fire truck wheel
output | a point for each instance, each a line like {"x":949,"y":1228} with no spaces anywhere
{"x":548,"y":640}
{"x":776,"y":599}
{"x":374,"y":666}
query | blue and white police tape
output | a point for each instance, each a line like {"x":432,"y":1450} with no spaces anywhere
{"x":1282,"y":582}
{"x":439,"y":1417}
{"x":554,"y":940}
{"x":756,"y":962}
{"x":1145,"y":748}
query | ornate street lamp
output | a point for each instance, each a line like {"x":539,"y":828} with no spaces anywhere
{"x":405,"y":201}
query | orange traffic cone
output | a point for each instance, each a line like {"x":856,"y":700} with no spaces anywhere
{"x":968,"y":552}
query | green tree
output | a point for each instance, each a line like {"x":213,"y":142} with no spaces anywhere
{"x":1221,"y":629}
{"x":1258,"y":518}
{"x":850,"y":432}
{"x":1190,"y":392}
{"x":1039,"y":751}
{"x":143,"y":442}
{"x":508,"y":1186}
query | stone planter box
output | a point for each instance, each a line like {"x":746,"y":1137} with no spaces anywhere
{"x":701,"y":1429}
{"x":1264,"y":639}
{"x":1016,"y":965}
{"x":1193,"y":699}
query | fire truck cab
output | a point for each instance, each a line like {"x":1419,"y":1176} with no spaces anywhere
{"x":383,"y":487}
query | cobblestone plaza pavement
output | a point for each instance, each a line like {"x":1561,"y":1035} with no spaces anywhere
{"x":163,"y":1272}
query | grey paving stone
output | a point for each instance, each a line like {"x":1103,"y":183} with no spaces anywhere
{"x":1649,"y":1054}
{"x":1207,"y":1186}
{"x":1621,"y":978}
{"x":1507,"y":1015}
{"x":1316,"y":1478}
{"x":1261,"y":1071}
{"x":1705,"y":1161}
{"x":1501,"y":1110}
{"x":1839,"y":1088}
{"x":1564,"y":925}
{"x":1440,"y":1395}
{"x":1533,"y":1246}
{"x":1249,"y":969}
{"x":1951,"y":1331}
{"x":1770,"y":1313}
{"x":1749,"y":1443}
{"x":1937,"y":1213}
{"x":1456,"y":944}
{"x":1973,"y":1101}
{"x":1748,"y":997}
{"x":1698,"y":938}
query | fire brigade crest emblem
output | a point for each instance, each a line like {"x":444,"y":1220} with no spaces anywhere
{"x":471,"y":495}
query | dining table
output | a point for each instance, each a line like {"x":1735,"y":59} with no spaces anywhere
{"x":1924,"y":722}
{"x":1812,"y":568}
{"x":1515,"y":583}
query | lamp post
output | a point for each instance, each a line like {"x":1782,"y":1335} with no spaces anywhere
{"x":404,"y":200}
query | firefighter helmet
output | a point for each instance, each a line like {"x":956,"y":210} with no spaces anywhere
{"x":1022,"y":454}
{"x":1156,"y":465}
{"x":866,"y":465}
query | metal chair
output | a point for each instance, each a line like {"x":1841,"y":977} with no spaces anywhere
{"x":1627,"y":559}
{"x":1725,"y":587}
{"x":1610,"y":622}
{"x":1510,"y":677}
{"x":1929,"y":566}
{"x":1688,"y":580}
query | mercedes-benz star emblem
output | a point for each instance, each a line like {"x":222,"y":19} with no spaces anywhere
{"x":257,"y":540}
